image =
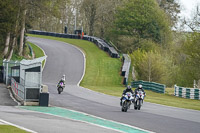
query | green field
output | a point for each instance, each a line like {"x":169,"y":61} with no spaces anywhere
{"x":10,"y":129}
{"x":103,"y":75}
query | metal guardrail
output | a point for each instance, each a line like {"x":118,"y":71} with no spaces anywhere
{"x":189,"y":93}
{"x":125,"y":68}
{"x":30,"y":48}
{"x":156,"y":87}
{"x":102,"y":44}
{"x":17,"y":89}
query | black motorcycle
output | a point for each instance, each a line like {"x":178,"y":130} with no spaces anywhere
{"x":60,"y":87}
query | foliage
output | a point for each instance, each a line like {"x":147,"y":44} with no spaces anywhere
{"x":189,"y":67}
{"x":8,"y":13}
{"x":143,"y":19}
{"x":194,"y":22}
{"x":172,"y":9}
{"x":151,"y":66}
{"x":17,"y":16}
{"x":137,"y":20}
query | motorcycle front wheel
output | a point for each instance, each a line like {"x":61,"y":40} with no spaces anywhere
{"x":140,"y":104}
{"x":60,"y":90}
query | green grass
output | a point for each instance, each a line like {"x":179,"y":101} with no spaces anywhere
{"x":38,"y":51}
{"x":170,"y":100}
{"x":10,"y":129}
{"x":103,"y":75}
{"x":101,"y":69}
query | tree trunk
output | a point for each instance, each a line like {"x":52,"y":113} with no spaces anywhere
{"x":6,"y":45}
{"x":12,"y":48}
{"x":22,"y":33}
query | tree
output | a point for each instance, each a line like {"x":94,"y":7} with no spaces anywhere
{"x":172,"y":9}
{"x":189,"y":69}
{"x":16,"y":16}
{"x":8,"y":20}
{"x":194,"y":23}
{"x":142,"y":20}
{"x":151,"y":66}
{"x":90,"y":8}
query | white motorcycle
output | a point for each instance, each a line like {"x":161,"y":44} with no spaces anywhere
{"x":126,"y":101}
{"x":139,"y":100}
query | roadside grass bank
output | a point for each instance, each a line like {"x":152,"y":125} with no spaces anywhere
{"x":101,"y":70}
{"x":37,"y":50}
{"x":10,"y":129}
{"x":103,"y":75}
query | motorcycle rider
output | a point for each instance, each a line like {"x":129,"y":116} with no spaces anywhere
{"x":138,"y":89}
{"x":128,"y":89}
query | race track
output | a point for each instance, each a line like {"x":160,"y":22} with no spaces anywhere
{"x":66,"y":59}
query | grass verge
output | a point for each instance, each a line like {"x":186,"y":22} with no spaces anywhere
{"x":10,"y":129}
{"x":103,"y":75}
{"x":37,"y":50}
{"x":101,"y":70}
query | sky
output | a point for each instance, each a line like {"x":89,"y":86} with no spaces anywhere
{"x":188,"y":7}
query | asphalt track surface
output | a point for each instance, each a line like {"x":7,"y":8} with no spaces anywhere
{"x":66,"y":59}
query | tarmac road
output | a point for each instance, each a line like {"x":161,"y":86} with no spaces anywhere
{"x":153,"y":117}
{"x":66,"y":59}
{"x":41,"y":123}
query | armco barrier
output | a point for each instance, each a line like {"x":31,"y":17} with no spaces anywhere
{"x":126,"y":68}
{"x":156,"y":87}
{"x":190,"y":93}
{"x":102,"y":44}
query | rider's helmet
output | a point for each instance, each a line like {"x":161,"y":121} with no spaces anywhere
{"x":140,"y":86}
{"x":63,"y":77}
{"x":129,"y":87}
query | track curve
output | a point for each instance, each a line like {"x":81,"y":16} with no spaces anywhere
{"x":64,"y":58}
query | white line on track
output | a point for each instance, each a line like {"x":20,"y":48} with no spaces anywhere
{"x":23,"y":128}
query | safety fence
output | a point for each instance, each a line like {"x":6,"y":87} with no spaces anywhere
{"x":125,"y":68}
{"x":189,"y":93}
{"x":18,"y":90}
{"x":11,"y":69}
{"x":25,"y":78}
{"x":102,"y":44}
{"x":156,"y":87}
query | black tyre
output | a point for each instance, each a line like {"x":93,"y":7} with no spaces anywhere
{"x":125,"y":110}
{"x":140,"y":103}
{"x":60,"y":90}
{"x":124,"y":106}
{"x":135,"y":107}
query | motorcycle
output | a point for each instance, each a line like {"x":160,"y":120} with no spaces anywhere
{"x":139,"y":100}
{"x":126,"y":101}
{"x":60,"y":87}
